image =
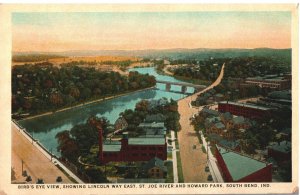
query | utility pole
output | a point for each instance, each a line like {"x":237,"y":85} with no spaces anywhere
{"x":22,"y":165}
{"x":207,"y":152}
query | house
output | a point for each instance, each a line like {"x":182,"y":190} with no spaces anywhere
{"x":219,"y":97}
{"x":217,"y":139}
{"x":280,"y":151}
{"x":121,"y":123}
{"x":155,"y":118}
{"x":206,"y":112}
{"x":154,"y":168}
{"x":159,"y":102}
{"x":153,"y":129}
{"x":216,"y":128}
{"x":238,"y":122}
{"x":236,"y":167}
{"x":225,"y":117}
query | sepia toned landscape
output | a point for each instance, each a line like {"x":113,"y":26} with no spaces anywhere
{"x":98,"y":98}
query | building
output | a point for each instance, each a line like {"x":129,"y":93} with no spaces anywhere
{"x":238,"y":122}
{"x":279,"y":97}
{"x":244,"y":109}
{"x":153,"y":129}
{"x":206,"y":112}
{"x":131,"y":149}
{"x":221,"y":141}
{"x":154,"y":168}
{"x":236,"y":167}
{"x":155,"y":118}
{"x":280,"y":151}
{"x":270,"y":81}
{"x":120,"y":124}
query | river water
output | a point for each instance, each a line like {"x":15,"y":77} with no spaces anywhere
{"x":45,"y":128}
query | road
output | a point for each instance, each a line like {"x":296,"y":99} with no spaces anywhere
{"x":36,"y":161}
{"x":193,"y":160}
{"x":175,"y":171}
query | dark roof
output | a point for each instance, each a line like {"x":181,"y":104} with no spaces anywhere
{"x":284,"y":146}
{"x":155,"y":118}
{"x":229,"y":144}
{"x":220,"y":125}
{"x":209,"y":111}
{"x":155,"y":162}
{"x":227,"y":115}
{"x":248,"y":105}
{"x":284,"y":95}
{"x":238,"y":120}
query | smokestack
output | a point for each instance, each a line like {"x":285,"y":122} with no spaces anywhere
{"x":100,"y":143}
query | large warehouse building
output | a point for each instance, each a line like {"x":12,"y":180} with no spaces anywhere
{"x":236,"y":167}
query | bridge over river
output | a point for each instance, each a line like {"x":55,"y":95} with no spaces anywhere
{"x":183,"y":85}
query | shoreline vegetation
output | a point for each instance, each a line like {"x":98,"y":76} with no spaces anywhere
{"x":42,"y":89}
{"x":85,"y":103}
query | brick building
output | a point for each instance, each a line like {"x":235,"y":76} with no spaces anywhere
{"x":270,"y":81}
{"x":244,"y":109}
{"x":235,"y":167}
{"x":131,"y":149}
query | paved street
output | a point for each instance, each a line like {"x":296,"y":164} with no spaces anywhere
{"x":193,"y":160}
{"x":36,"y":161}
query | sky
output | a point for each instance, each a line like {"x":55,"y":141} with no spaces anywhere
{"x":64,"y":31}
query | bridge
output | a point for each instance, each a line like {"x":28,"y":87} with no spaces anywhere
{"x":183,"y":85}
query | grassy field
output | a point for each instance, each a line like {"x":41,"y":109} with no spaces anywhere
{"x":170,"y":177}
{"x":98,"y":59}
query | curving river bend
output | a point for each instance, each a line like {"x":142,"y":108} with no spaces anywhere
{"x":45,"y":128}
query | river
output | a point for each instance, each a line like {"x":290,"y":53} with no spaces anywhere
{"x":45,"y":128}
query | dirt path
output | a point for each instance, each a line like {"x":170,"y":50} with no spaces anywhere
{"x":34,"y":162}
{"x":193,"y":160}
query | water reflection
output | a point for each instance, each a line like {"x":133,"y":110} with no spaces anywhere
{"x":45,"y":128}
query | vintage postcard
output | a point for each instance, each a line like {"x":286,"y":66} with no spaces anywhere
{"x":149,"y":99}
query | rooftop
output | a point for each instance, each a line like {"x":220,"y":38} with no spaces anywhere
{"x":283,"y":95}
{"x":283,"y":146}
{"x":159,"y":125}
{"x":220,"y":125}
{"x":245,"y":105}
{"x":155,"y":118}
{"x":146,"y":141}
{"x":210,"y":111}
{"x":238,"y":120}
{"x":111,"y":146}
{"x":155,"y":162}
{"x":239,"y":166}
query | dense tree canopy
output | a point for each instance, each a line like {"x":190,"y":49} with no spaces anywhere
{"x":43,"y":87}
{"x":77,"y":141}
{"x":240,"y":67}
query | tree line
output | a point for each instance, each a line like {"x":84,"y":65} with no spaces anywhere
{"x":43,"y":87}
{"x":241,"y":67}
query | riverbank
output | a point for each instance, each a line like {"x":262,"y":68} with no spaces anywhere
{"x":166,"y":72}
{"x":85,"y":103}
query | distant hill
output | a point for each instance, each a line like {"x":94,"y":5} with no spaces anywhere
{"x":179,"y":53}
